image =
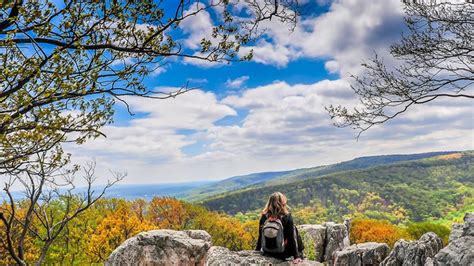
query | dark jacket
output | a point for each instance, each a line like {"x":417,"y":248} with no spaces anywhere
{"x":291,"y":248}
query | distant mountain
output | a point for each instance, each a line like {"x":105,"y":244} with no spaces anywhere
{"x":233,"y":183}
{"x":148,"y":191}
{"x":422,"y":185}
{"x":130,"y":192}
{"x":275,"y":178}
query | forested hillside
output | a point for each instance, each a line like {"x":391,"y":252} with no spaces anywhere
{"x":415,"y":190}
{"x":274,"y":178}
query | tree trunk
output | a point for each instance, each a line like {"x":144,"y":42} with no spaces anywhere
{"x":44,"y":251}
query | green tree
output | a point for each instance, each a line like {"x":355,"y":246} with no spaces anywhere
{"x":416,"y":230}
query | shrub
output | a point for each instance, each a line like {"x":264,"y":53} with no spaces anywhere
{"x":309,"y":247}
{"x":416,"y":230}
{"x":371,"y":230}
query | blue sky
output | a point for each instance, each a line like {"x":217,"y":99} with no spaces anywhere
{"x":268,"y":114}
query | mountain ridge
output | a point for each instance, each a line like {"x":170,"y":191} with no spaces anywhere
{"x":429,"y":186}
{"x":283,"y":177}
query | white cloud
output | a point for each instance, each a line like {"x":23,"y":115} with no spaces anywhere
{"x":236,"y":83}
{"x":197,"y":27}
{"x":332,"y":66}
{"x":350,"y":32}
{"x":156,"y":135}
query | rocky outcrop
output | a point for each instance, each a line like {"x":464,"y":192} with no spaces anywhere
{"x":223,"y":256}
{"x":337,"y":238}
{"x":314,"y":235}
{"x":370,"y":253}
{"x":326,"y":239}
{"x":460,"y":250}
{"x":414,"y":253}
{"x":163,"y":247}
{"x":329,"y":241}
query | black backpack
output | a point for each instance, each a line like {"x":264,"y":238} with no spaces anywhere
{"x":273,"y":239}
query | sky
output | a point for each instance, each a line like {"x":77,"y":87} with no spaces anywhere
{"x":268,"y":114}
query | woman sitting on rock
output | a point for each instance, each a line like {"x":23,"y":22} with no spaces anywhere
{"x":277,"y":236}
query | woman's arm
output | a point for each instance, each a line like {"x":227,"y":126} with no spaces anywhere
{"x":292,"y":248}
{"x":260,"y":225}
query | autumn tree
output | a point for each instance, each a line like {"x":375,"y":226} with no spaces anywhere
{"x":433,"y":61}
{"x":167,"y":213}
{"x":49,"y":203}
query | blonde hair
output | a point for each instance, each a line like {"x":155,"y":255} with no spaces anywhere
{"x":276,"y":205}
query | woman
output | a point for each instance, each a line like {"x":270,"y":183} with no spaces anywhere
{"x":276,"y":220}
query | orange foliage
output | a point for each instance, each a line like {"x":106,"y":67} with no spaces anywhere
{"x":369,"y":230}
{"x":167,"y":213}
{"x":451,"y":156}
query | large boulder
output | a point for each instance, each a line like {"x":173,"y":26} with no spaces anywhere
{"x":337,"y":238}
{"x":163,"y":247}
{"x":414,"y":253}
{"x":223,"y":256}
{"x":460,"y":250}
{"x":370,"y":253}
{"x":314,"y":238}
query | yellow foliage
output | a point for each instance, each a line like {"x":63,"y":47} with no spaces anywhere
{"x":113,"y":229}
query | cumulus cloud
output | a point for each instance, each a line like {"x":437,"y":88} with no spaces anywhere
{"x":157,"y":133}
{"x":291,"y":119}
{"x":197,"y":27}
{"x":332,"y":66}
{"x":350,"y":32}
{"x":236,"y":83}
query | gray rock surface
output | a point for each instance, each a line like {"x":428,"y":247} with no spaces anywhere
{"x":163,"y":247}
{"x":468,"y":229}
{"x":223,"y":256}
{"x":414,"y":253}
{"x":456,"y":232}
{"x":370,"y":253}
{"x":337,"y":238}
{"x":460,"y":250}
{"x":317,"y":238}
